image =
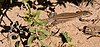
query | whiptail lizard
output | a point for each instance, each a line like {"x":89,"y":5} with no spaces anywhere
{"x":63,"y":17}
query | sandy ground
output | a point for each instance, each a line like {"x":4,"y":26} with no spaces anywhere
{"x":78,"y":38}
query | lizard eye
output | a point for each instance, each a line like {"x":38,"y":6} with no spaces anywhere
{"x":77,"y":11}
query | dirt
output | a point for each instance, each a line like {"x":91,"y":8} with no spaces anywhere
{"x":78,"y":38}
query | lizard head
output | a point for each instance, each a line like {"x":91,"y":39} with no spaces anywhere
{"x":84,"y":13}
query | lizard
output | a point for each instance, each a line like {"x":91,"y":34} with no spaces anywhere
{"x":63,"y":17}
{"x":92,"y":30}
{"x":54,"y":18}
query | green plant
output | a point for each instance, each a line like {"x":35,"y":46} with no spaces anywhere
{"x":71,"y":45}
{"x":38,"y":31}
{"x":68,"y":39}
